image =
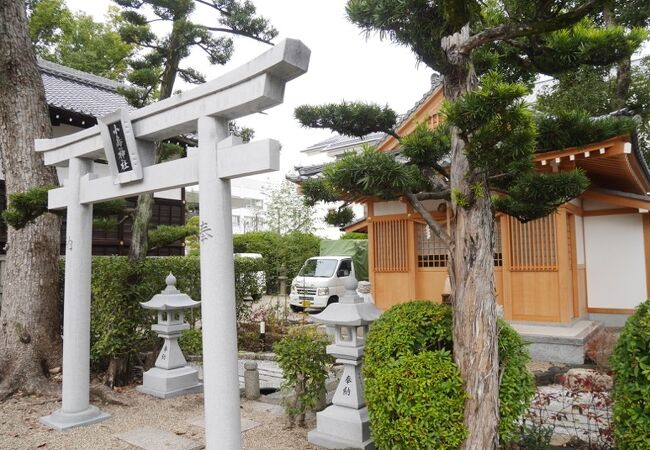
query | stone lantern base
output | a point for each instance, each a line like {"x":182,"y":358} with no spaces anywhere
{"x":163,"y":383}
{"x":340,"y":427}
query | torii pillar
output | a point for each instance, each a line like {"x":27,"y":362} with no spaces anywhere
{"x":218,"y":314}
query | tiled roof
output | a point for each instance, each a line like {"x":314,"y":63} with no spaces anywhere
{"x":338,"y":141}
{"x":80,"y":92}
{"x":436,"y":82}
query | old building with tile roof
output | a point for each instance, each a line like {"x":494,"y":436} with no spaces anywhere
{"x":75,"y":100}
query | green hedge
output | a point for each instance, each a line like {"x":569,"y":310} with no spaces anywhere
{"x":631,"y":395}
{"x":417,"y":403}
{"x":305,"y":363}
{"x":119,"y":324}
{"x":422,"y":327}
{"x":289,"y":251}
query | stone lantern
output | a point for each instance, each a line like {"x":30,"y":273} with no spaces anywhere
{"x":171,"y":376}
{"x":344,"y":424}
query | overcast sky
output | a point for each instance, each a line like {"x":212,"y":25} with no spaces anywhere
{"x":344,"y":66}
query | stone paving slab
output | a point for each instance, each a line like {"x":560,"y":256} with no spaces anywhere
{"x":246,"y":424}
{"x":149,"y":438}
{"x":274,"y":410}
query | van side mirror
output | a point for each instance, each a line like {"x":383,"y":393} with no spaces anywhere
{"x":343,"y":273}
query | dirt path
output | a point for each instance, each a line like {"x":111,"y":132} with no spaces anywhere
{"x":20,"y":428}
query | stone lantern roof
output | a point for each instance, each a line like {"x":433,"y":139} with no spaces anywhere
{"x":350,"y":311}
{"x":348,"y":314}
{"x":170,"y":298}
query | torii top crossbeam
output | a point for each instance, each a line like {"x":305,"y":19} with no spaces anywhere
{"x":250,"y":88}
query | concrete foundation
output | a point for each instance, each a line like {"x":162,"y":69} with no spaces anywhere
{"x":559,"y":344}
{"x":610,"y":320}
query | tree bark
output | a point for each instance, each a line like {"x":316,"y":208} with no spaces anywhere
{"x":623,"y":81}
{"x":471,"y":273}
{"x":139,"y":231}
{"x":144,"y":208}
{"x":623,"y":67}
{"x":30,"y":340}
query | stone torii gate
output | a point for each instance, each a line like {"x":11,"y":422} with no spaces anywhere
{"x":126,"y":141}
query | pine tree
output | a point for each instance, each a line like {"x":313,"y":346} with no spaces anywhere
{"x":157,"y":69}
{"x":481,"y":159}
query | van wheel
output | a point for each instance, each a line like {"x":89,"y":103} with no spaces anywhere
{"x":296,"y":309}
{"x":332,"y":299}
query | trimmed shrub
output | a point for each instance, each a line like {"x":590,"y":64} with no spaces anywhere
{"x":421,"y":327}
{"x":191,"y":342}
{"x":304,"y":363}
{"x":631,"y":395}
{"x":417,"y":403}
{"x":289,"y":251}
{"x":119,"y":325}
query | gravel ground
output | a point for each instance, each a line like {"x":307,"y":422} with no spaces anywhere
{"x":20,"y":428}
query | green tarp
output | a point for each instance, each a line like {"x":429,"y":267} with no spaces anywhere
{"x":356,"y":248}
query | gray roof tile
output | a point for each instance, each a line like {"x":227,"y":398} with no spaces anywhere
{"x":80,"y":92}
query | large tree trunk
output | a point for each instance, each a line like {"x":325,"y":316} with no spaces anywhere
{"x":623,"y":67}
{"x":472,"y":279}
{"x":623,"y":81}
{"x":30,"y":339}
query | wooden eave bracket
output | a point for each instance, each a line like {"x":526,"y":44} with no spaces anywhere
{"x":618,"y":145}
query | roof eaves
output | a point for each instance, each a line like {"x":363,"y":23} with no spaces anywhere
{"x":79,"y":76}
{"x":636,"y":149}
{"x":436,"y":82}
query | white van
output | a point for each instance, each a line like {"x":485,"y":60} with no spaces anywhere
{"x":320,"y":282}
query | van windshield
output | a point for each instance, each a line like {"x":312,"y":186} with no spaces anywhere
{"x":321,"y":268}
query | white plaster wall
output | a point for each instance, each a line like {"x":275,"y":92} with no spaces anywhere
{"x":615,"y":261}
{"x":388,"y":208}
{"x":580,"y":240}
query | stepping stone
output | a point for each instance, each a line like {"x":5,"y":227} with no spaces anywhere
{"x":149,"y":438}
{"x":274,"y":410}
{"x":246,"y":424}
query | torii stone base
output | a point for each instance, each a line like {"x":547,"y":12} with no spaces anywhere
{"x":61,"y":421}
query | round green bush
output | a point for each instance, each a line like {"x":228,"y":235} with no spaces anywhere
{"x":422,"y":327}
{"x":422,"y":403}
{"x":631,"y":395}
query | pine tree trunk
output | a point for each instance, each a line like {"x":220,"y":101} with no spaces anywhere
{"x":623,"y":81}
{"x":139,"y":231}
{"x":144,"y":209}
{"x":623,"y":67}
{"x":30,"y":339}
{"x":471,"y":273}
